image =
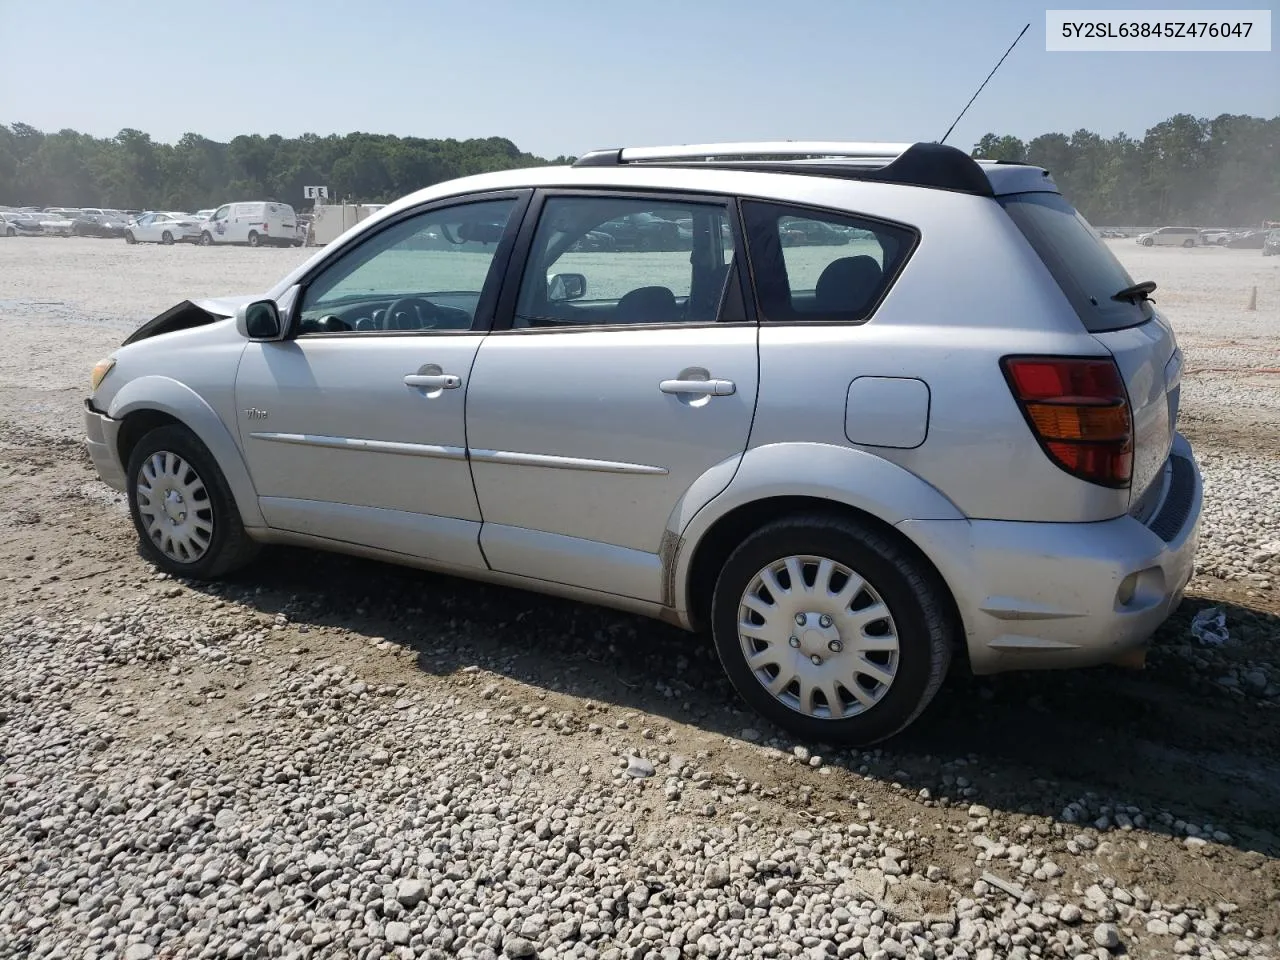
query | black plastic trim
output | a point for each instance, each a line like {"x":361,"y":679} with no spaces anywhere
{"x":1173,"y":513}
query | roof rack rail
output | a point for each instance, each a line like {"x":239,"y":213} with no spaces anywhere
{"x":915,"y":164}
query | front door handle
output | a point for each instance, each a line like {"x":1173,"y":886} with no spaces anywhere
{"x":433,"y":381}
{"x":701,"y":388}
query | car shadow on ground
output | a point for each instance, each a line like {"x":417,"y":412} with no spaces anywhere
{"x":1177,"y":737}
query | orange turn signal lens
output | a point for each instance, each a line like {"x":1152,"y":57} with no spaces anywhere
{"x":1080,"y":422}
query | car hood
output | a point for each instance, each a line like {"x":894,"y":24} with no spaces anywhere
{"x":188,"y":314}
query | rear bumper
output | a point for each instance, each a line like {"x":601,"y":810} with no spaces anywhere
{"x":100,"y":440}
{"x":1049,"y":595}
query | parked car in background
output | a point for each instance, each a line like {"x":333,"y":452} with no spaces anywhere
{"x":1169,"y":237}
{"x":848,"y":464}
{"x":98,"y":225}
{"x":204,"y":214}
{"x":19,"y":224}
{"x":1247,"y":240}
{"x":1271,"y":246}
{"x":256,"y":223}
{"x":1212,"y":236}
{"x":57,"y":224}
{"x":802,"y":232}
{"x":642,"y":231}
{"x":163,"y":228}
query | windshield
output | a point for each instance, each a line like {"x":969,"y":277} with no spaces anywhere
{"x":1084,"y":267}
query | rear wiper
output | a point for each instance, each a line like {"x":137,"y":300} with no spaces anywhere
{"x":1139,"y":291}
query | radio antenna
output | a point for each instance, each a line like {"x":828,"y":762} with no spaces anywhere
{"x":984,"y":83}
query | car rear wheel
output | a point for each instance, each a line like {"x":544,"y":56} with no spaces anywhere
{"x":1188,"y":243}
{"x":833,"y":630}
{"x":254,"y":239}
{"x":187,"y":521}
{"x":166,"y":238}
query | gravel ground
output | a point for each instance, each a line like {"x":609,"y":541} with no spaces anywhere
{"x":334,"y":758}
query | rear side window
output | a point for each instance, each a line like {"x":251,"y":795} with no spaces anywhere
{"x":820,"y":266}
{"x":1088,"y":273}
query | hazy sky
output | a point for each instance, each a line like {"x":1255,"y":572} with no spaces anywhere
{"x":565,"y":76}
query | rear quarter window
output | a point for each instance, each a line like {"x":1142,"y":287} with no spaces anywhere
{"x":1085,"y":269}
{"x":820,"y":266}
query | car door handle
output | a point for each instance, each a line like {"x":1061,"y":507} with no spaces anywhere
{"x":433,"y":381}
{"x":701,"y":388}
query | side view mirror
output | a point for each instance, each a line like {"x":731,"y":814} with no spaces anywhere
{"x":260,"y":320}
{"x":566,"y":286}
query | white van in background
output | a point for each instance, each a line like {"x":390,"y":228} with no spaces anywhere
{"x":1169,"y":237}
{"x":256,"y":223}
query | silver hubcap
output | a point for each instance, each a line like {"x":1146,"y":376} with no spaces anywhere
{"x":174,"y":506}
{"x":818,"y":637}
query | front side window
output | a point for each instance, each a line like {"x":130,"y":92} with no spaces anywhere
{"x":601,"y":261}
{"x":812,"y":266}
{"x":424,"y":273}
{"x":221,"y":213}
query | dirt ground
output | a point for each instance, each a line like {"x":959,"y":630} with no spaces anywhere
{"x":1189,"y":740}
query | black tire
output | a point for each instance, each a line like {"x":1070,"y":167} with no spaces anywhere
{"x":1188,"y":243}
{"x":129,"y":237}
{"x":254,"y":239}
{"x":914,"y":594}
{"x":10,"y":232}
{"x":1148,"y":242}
{"x":206,"y":239}
{"x":166,"y":238}
{"x":229,"y":547}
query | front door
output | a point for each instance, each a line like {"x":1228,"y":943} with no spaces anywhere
{"x":353,"y":428}
{"x":219,"y":225}
{"x":624,"y":380}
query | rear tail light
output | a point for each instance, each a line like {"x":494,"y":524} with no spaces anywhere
{"x":264,"y":228}
{"x":1078,"y":409}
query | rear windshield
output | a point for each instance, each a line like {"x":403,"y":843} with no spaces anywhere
{"x":1086,"y":270}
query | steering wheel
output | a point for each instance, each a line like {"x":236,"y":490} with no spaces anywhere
{"x":423,"y":314}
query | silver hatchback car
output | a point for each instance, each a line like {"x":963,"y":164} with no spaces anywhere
{"x":856,"y":409}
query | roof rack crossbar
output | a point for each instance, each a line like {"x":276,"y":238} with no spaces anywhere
{"x":914,"y":164}
{"x":766,"y":149}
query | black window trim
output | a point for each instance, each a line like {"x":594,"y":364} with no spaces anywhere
{"x":891,"y":279}
{"x":482,"y":322}
{"x":513,"y":279}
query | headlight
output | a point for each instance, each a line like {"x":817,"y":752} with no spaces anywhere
{"x":100,"y":371}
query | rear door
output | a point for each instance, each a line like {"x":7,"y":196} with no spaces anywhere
{"x":1139,"y":338}
{"x":619,"y":379}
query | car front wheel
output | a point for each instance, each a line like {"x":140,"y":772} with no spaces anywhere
{"x":182,"y":507}
{"x":833,"y":630}
{"x":206,"y":239}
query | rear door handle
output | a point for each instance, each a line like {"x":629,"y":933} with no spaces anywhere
{"x":701,"y":388}
{"x":433,"y":381}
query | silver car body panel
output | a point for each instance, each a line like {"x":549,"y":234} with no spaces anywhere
{"x":557,"y":464}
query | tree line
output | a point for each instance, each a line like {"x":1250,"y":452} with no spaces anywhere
{"x":1185,"y":170}
{"x":130,"y":171}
